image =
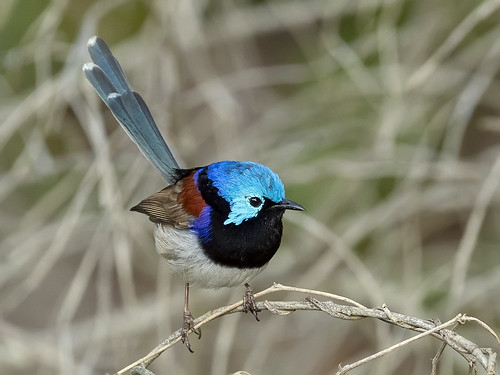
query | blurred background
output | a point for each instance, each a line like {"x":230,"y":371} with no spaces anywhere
{"x":381,"y":117}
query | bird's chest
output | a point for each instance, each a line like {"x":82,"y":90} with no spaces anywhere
{"x":184,"y":254}
{"x":250,"y":244}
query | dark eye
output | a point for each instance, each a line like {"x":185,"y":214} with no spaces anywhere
{"x":255,"y":201}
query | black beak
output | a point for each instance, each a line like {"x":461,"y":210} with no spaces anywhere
{"x":289,"y":205}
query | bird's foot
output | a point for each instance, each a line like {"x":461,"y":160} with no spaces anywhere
{"x":187,"y":327}
{"x":249,"y":303}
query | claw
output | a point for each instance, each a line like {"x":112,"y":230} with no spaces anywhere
{"x":249,"y":302}
{"x":187,"y":327}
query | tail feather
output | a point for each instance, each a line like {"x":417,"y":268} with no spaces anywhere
{"x":102,"y":57}
{"x":128,"y":107}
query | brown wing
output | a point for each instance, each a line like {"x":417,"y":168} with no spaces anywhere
{"x":164,"y":208}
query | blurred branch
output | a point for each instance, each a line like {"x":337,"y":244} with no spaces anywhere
{"x":482,"y":11}
{"x":471,"y":352}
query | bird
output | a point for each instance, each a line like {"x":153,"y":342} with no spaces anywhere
{"x":217,"y":225}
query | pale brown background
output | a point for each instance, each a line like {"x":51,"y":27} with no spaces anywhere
{"x":381,"y":117}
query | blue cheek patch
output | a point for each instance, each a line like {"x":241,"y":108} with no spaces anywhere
{"x":241,"y":211}
{"x":201,"y":225}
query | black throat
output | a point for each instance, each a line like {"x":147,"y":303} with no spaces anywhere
{"x":250,"y":244}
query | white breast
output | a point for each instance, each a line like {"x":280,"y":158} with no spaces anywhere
{"x":184,"y":254}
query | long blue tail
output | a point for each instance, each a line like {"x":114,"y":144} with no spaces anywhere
{"x":128,"y":107}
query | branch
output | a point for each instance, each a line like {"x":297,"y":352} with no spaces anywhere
{"x":472,"y":353}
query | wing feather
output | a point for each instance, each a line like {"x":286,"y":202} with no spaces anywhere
{"x":164,"y":207}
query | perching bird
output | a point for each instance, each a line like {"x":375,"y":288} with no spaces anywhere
{"x":217,"y":225}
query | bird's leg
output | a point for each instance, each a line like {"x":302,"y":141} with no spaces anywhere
{"x":249,"y":302}
{"x":188,"y":323}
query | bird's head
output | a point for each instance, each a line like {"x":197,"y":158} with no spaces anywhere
{"x":242,"y":190}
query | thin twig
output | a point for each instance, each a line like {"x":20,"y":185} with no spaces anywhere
{"x":436,"y":358}
{"x":346,"y":368}
{"x":486,"y":327}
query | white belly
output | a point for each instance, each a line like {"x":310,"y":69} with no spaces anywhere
{"x":183,"y":253}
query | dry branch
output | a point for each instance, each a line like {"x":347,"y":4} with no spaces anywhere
{"x":471,"y":352}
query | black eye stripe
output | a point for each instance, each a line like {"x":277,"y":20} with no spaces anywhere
{"x":255,"y":201}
